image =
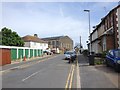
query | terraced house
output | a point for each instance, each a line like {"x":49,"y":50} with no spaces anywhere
{"x":106,"y":35}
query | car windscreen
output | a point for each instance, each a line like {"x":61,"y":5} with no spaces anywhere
{"x":69,"y":53}
{"x":117,"y":53}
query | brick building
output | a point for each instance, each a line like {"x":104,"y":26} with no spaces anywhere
{"x":61,"y":42}
{"x":106,"y":35}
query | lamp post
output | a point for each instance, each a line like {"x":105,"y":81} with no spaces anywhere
{"x":88,"y":11}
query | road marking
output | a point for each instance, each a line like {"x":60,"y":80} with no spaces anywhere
{"x":70,"y":78}
{"x":24,"y":65}
{"x":30,"y":76}
{"x":66,"y":86}
{"x":78,"y":76}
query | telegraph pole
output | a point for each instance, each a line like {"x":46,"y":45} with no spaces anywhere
{"x":80,"y":44}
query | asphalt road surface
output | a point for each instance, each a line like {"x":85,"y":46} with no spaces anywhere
{"x":55,"y":72}
{"x":48,"y":73}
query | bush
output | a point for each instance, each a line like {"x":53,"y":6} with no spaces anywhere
{"x":103,"y":54}
{"x":85,"y":52}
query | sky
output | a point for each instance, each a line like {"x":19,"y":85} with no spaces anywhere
{"x":48,"y":19}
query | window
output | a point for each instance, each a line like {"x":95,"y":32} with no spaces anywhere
{"x":117,"y":53}
{"x":111,"y":20}
{"x":49,"y":43}
{"x":57,"y":43}
{"x":34,"y":43}
{"x":53,"y":43}
{"x":111,"y":53}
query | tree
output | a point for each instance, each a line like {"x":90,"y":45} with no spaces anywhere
{"x":10,"y":38}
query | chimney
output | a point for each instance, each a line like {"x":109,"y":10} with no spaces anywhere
{"x":35,"y":35}
{"x":118,"y":2}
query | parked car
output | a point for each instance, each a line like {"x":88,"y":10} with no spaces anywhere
{"x":70,"y":55}
{"x":113,"y":59}
{"x":48,"y":52}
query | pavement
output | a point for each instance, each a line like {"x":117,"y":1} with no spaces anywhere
{"x":97,"y":76}
{"x":17,"y":63}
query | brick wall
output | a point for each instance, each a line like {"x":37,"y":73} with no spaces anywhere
{"x":110,"y":42}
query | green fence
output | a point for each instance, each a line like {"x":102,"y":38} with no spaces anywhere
{"x":26,"y":53}
{"x":13,"y":54}
{"x":39,"y":52}
{"x":35,"y":53}
{"x":20,"y":53}
{"x":31,"y":53}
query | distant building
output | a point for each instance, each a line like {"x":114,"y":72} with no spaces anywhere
{"x":35,"y":42}
{"x":61,"y":42}
{"x":106,"y":35}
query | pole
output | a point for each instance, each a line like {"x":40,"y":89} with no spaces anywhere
{"x":80,"y":44}
{"x":89,"y":32}
{"x":89,"y":28}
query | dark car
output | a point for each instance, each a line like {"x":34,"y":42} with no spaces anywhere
{"x":113,"y":59}
{"x":70,"y":55}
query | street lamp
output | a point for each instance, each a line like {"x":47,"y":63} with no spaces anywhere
{"x":89,"y":27}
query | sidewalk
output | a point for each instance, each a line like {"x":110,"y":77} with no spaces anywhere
{"x":20,"y":62}
{"x":95,"y":76}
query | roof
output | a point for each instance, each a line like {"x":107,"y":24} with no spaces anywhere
{"x":29,"y":38}
{"x":53,"y":38}
{"x":105,"y":18}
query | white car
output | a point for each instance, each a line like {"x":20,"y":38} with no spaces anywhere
{"x":70,"y":55}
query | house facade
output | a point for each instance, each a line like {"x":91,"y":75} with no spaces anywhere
{"x":106,"y":35}
{"x":35,"y":42}
{"x":60,"y":42}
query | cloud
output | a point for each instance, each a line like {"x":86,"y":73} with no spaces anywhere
{"x":61,"y":12}
{"x":47,"y":19}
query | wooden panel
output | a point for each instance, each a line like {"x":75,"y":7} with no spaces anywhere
{"x":5,"y":56}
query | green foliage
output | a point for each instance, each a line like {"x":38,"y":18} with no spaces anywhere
{"x":10,"y":38}
{"x":85,"y":52}
{"x":104,"y":54}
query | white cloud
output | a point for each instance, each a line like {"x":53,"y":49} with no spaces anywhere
{"x":29,"y":22}
{"x":45,"y":21}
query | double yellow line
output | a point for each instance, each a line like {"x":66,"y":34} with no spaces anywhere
{"x":70,"y":78}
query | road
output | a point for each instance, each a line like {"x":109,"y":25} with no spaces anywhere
{"x":55,"y":72}
{"x":49,"y":73}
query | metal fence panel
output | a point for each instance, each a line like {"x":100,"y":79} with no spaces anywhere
{"x":13,"y":54}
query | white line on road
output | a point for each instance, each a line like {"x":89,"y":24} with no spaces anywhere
{"x":24,"y":65}
{"x":30,"y":76}
{"x":78,"y":76}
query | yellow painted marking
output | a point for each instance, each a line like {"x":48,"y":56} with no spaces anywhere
{"x":66,"y":86}
{"x":70,"y":78}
